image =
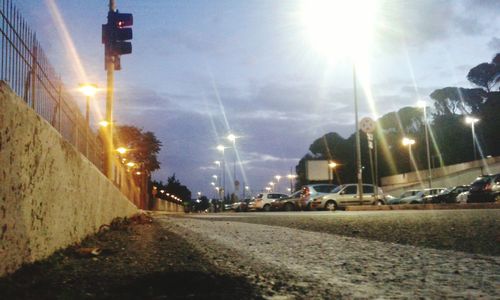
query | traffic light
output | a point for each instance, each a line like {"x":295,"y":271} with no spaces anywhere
{"x":115,"y":35}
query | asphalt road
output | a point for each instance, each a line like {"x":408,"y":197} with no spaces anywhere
{"x":329,"y":255}
{"x":474,"y":231}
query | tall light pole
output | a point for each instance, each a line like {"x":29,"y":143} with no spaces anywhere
{"x":359,"y":170}
{"x":291,"y":177}
{"x":89,"y":90}
{"x":221,"y":149}
{"x":409,"y":142}
{"x":423,"y":105}
{"x":331,"y":166}
{"x":472,"y":121}
{"x":232,"y":138}
{"x":278,"y":177}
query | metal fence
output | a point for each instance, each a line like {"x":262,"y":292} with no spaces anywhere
{"x":25,"y":67}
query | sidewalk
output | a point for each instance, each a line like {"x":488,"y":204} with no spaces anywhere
{"x":135,"y":261}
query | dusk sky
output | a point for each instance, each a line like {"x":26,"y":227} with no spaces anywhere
{"x":202,"y":69}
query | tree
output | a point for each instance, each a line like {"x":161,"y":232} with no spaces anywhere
{"x":486,"y":75}
{"x":455,"y":100}
{"x":143,"y":146}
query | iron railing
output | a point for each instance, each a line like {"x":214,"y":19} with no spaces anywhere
{"x":26,"y":69}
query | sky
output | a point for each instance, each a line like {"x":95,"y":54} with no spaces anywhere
{"x":200,"y":70}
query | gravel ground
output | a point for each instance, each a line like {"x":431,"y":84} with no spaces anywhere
{"x":299,"y":264}
{"x":137,"y":262}
{"x":212,"y":257}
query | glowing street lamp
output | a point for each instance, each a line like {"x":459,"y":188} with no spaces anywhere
{"x":331,"y":165}
{"x":89,"y":90}
{"x":103,"y":123}
{"x":121,"y":150}
{"x":423,"y":105}
{"x":408,"y":142}
{"x":472,"y":121}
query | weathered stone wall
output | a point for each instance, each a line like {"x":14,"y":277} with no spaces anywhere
{"x":51,"y":196}
{"x":163,"y":205}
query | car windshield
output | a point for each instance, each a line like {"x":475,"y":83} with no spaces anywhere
{"x":481,"y":180}
{"x":337,"y":189}
{"x":408,"y":194}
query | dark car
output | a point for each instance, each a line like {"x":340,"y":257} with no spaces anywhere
{"x":486,"y":188}
{"x":448,"y":195}
{"x":289,"y":203}
{"x":311,"y":191}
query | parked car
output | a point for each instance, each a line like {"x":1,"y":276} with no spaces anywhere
{"x":240,"y":206}
{"x":263,"y":201}
{"x":396,"y":200}
{"x":418,"y":198}
{"x":485,"y":188}
{"x":311,"y":191}
{"x":347,"y":194}
{"x":448,"y":195}
{"x":289,"y":203}
{"x":462,"y":197}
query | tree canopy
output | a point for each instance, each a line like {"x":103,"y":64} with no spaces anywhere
{"x":143,"y":146}
{"x":451,"y":135}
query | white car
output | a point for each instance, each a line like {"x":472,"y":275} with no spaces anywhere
{"x":347,"y":194}
{"x":263,"y":201}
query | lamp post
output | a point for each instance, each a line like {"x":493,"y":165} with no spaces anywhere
{"x":343,"y":29}
{"x":423,"y":105}
{"x":221,"y":149}
{"x":89,"y":90}
{"x":408,"y":142}
{"x":331,"y":165}
{"x":232,"y":138}
{"x":278,"y":177}
{"x":472,"y":121}
{"x":272,"y":185}
{"x":291,"y":177}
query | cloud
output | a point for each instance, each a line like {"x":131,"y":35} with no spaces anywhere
{"x":494,"y":44}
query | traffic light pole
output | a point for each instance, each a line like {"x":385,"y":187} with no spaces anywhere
{"x":108,"y":157}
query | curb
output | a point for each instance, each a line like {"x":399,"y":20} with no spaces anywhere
{"x":424,"y":206}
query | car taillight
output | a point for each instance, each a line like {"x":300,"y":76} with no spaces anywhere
{"x":306,"y":191}
{"x":488,"y":187}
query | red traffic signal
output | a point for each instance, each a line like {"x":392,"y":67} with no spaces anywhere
{"x":116,"y":33}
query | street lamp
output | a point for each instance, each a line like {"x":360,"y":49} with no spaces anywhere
{"x":89,"y":90}
{"x":408,"y":142}
{"x":342,"y":29}
{"x":121,"y":150}
{"x":291,"y":177}
{"x":423,"y":105}
{"x":278,"y":177}
{"x":232,"y":138}
{"x":332,"y":165}
{"x":221,"y":148}
{"x":472,"y":121}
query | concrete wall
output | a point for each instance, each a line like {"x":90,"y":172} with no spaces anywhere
{"x":163,"y":205}
{"x":51,"y":196}
{"x":458,"y":174}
